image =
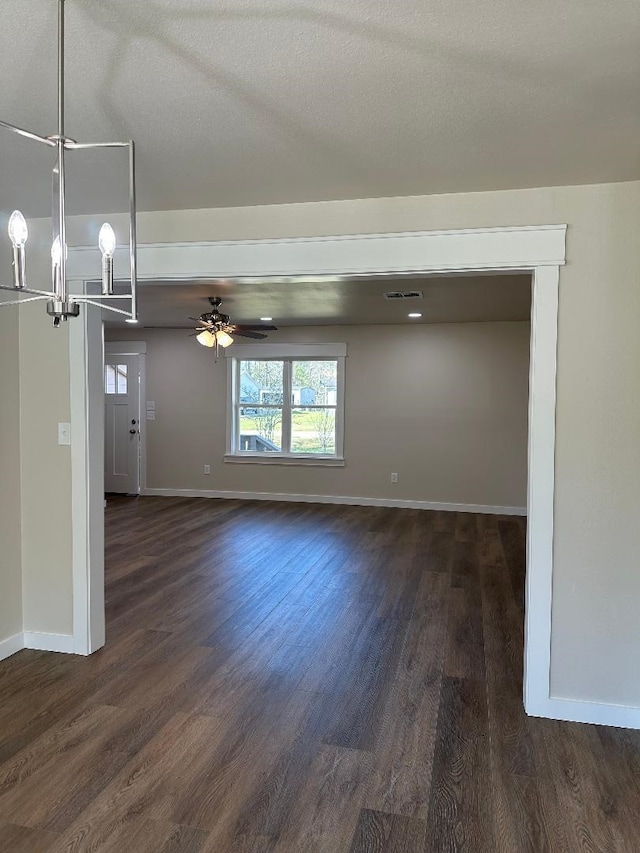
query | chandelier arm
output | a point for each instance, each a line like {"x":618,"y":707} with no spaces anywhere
{"x":61,"y":72}
{"x":21,"y":301}
{"x":28,"y":134}
{"x":60,"y":284}
{"x":94,"y":299}
{"x":133,"y":237}
{"x":45,"y":294}
{"x":105,"y":307}
{"x":71,"y":145}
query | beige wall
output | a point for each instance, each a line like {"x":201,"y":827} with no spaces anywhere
{"x":443,"y":406}
{"x":45,"y":467}
{"x":595,"y":631}
{"x":10,"y":556}
{"x":45,"y":474}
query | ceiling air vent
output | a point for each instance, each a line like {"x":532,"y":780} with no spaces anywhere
{"x":403,"y":294}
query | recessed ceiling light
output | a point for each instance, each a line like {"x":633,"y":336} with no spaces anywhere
{"x":266,"y":319}
{"x":414,"y":315}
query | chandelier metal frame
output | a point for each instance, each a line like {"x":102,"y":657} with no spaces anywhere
{"x":60,"y":303}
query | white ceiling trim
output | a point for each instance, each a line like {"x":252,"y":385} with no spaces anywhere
{"x":371,"y":254}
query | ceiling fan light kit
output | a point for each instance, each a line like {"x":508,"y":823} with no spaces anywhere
{"x":60,"y":304}
{"x":206,"y":339}
{"x":214,"y":339}
{"x":223,"y":339}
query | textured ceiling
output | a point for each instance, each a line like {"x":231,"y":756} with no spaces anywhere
{"x":235,"y":103}
{"x":454,"y":299}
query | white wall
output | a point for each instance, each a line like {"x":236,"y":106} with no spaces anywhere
{"x":443,"y":406}
{"x":595,"y":630}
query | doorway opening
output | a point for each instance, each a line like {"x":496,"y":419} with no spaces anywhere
{"x":538,"y":250}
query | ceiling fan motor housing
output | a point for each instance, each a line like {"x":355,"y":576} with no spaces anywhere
{"x":215,"y":318}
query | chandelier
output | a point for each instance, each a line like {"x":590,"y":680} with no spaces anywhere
{"x":60,"y":304}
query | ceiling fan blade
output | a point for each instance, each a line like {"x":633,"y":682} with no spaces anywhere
{"x":257,"y":335}
{"x":257,"y":328}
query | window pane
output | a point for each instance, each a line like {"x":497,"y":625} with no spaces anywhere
{"x":260,"y":429}
{"x":313,"y":431}
{"x":314,"y":383}
{"x":109,"y":379}
{"x":122,"y":378}
{"x":262,"y":382}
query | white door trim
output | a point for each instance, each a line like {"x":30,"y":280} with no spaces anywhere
{"x":539,"y":249}
{"x":540,"y":488}
{"x":86,"y":361}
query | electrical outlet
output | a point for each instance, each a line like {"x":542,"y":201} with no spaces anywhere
{"x":394,"y":478}
{"x":207,"y":469}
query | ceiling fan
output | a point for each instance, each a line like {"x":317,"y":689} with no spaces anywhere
{"x":215,"y":329}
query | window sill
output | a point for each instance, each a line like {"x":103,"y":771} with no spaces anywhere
{"x":264,"y":459}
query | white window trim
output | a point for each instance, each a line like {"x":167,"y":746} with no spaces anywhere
{"x":247,"y":352}
{"x":250,"y":351}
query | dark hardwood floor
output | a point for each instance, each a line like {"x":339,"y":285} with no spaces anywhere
{"x":295,"y":677}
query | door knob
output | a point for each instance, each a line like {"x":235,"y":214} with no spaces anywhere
{"x":132,"y":431}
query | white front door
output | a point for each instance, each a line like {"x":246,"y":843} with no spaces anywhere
{"x":122,"y":423}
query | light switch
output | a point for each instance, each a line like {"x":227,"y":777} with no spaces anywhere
{"x":151,"y":415}
{"x":151,"y":405}
{"x":64,"y":434}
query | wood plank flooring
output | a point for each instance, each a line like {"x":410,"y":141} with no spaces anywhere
{"x":295,"y":677}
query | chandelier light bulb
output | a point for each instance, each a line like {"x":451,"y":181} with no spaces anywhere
{"x":18,"y":231}
{"x":206,"y":339}
{"x":56,"y":252}
{"x":107,"y":241}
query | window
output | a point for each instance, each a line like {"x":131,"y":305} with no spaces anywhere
{"x":115,"y":379}
{"x":286,"y":403}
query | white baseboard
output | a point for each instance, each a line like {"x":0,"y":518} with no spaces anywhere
{"x":37,"y":641}
{"x":597,"y":713}
{"x":336,"y":499}
{"x":10,"y":645}
{"x":44,"y":642}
